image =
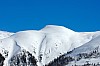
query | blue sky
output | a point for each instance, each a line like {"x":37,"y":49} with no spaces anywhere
{"x":78,"y":15}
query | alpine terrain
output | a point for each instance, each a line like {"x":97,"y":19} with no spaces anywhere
{"x":50,"y":46}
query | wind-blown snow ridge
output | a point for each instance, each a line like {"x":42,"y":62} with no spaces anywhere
{"x":45,"y":44}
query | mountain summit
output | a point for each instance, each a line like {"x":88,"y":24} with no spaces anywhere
{"x":45,"y":45}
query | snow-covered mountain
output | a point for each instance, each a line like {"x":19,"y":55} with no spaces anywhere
{"x":46,"y":44}
{"x":4,"y":34}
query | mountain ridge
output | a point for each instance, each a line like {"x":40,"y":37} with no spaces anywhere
{"x":45,"y":44}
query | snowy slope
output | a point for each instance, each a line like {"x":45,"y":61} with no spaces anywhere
{"x":4,"y":34}
{"x":45,"y":44}
{"x":89,"y":48}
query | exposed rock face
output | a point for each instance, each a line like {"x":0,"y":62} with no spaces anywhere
{"x":1,"y":60}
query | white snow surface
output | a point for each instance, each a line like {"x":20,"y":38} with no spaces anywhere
{"x":49,"y":42}
{"x":88,"y":47}
{"x":4,"y":34}
{"x":83,"y":61}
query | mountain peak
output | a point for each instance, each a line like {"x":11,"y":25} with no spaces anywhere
{"x":46,"y":44}
{"x":55,"y":29}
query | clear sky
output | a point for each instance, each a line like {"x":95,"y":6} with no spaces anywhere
{"x":78,"y":15}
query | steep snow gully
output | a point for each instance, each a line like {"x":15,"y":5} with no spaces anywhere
{"x":45,"y":44}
